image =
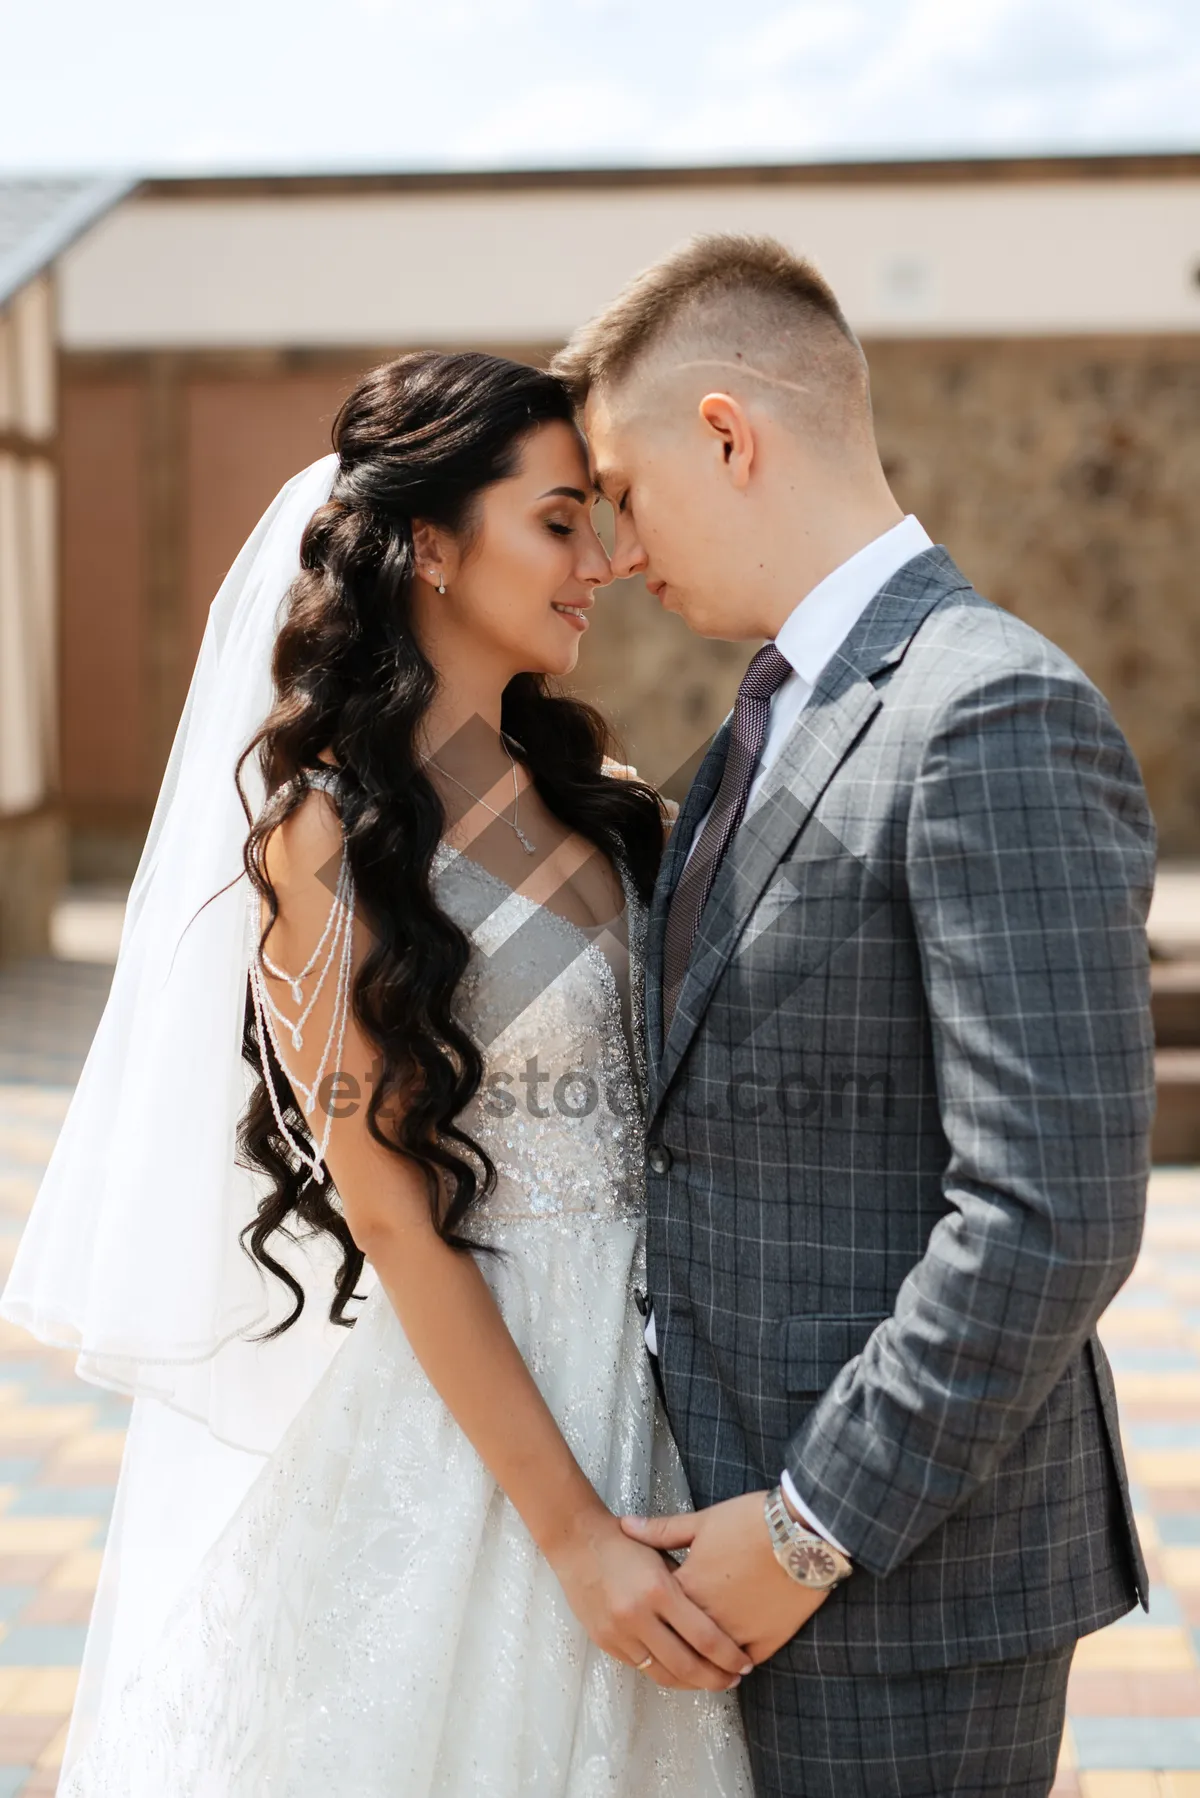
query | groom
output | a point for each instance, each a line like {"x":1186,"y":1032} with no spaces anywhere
{"x":897,"y":1003}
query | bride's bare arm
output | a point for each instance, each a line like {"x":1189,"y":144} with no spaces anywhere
{"x":622,"y":1592}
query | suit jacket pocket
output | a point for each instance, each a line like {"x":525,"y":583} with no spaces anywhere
{"x":818,"y":897}
{"x":815,"y":1348}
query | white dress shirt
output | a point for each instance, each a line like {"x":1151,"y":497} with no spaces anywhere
{"x":809,"y":637}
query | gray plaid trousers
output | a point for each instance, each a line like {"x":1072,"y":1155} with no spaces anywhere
{"x":898,"y":1138}
{"x":988,"y":1730}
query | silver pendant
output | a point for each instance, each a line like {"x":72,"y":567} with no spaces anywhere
{"x":297,"y":1040}
{"x":297,"y":992}
{"x":527,"y":846}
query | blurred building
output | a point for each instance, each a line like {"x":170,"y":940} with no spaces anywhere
{"x":38,"y":220}
{"x":1033,"y":329}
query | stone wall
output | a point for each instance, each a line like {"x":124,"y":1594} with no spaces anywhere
{"x":1064,"y":477}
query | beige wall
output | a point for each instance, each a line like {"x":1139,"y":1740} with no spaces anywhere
{"x":932,"y":257}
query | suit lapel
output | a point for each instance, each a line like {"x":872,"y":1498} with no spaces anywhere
{"x":842,"y":704}
{"x":823,"y":737}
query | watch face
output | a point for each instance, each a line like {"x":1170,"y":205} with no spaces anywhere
{"x":812,"y":1564}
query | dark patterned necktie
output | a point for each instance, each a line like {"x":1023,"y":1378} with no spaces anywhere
{"x":767,"y":671}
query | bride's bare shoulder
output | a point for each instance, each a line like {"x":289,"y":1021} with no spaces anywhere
{"x":307,"y":844}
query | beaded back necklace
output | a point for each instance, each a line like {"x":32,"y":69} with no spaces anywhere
{"x":339,"y":934}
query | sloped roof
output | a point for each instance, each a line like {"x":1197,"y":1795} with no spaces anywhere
{"x":41,"y":215}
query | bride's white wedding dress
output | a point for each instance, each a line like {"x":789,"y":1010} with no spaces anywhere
{"x":375,"y":1621}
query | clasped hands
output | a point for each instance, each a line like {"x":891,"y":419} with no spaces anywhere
{"x":706,"y":1622}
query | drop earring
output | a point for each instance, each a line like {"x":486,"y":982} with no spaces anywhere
{"x":441,"y":580}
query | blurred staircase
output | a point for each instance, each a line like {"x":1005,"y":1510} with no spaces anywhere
{"x":1175,"y":989}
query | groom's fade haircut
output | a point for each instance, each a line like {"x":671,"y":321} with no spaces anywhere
{"x":743,"y":303}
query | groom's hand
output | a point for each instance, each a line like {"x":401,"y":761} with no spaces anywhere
{"x":731,"y":1572}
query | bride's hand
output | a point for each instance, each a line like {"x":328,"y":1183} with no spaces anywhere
{"x":632,"y":1606}
{"x":627,"y":771}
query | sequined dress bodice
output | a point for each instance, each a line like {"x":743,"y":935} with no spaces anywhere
{"x":561,"y":1103}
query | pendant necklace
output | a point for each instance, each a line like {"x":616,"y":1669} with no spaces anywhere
{"x":527,"y":846}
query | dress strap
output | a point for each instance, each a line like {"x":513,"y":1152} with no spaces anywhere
{"x":321,"y":776}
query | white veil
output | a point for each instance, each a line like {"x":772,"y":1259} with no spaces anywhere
{"x":131,"y":1254}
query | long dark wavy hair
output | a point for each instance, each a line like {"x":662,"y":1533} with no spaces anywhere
{"x":419,"y":438}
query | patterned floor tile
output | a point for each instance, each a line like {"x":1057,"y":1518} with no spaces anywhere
{"x":1118,"y":1785}
{"x":1143,"y":1650}
{"x":42,"y":1645}
{"x":1137,"y":1742}
{"x":1133,"y":1693}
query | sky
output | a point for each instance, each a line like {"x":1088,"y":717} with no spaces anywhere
{"x":169,"y":86}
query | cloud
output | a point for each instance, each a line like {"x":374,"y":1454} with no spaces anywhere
{"x":592,"y":115}
{"x":935,"y":75}
{"x":796,"y":39}
{"x":401,"y":82}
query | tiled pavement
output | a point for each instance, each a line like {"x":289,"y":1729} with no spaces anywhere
{"x":1134,"y":1728}
{"x":60,"y":1440}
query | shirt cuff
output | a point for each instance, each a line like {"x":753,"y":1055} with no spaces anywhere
{"x":806,"y":1516}
{"x":651,"y":1334}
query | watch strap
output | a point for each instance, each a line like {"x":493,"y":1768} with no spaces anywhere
{"x":804,"y":1556}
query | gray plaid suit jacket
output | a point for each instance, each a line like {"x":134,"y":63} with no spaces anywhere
{"x":898,"y":1133}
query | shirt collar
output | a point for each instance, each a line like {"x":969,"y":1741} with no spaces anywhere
{"x":824,"y":618}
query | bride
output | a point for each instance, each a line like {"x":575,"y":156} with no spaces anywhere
{"x":349,"y":1195}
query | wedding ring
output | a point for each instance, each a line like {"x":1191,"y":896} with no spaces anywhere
{"x":641,"y":1666}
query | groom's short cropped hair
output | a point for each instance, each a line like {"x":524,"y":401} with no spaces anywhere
{"x":747,"y":297}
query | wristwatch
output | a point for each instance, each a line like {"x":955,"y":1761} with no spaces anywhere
{"x":804,"y":1556}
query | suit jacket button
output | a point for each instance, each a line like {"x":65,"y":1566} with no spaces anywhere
{"x":659,"y":1157}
